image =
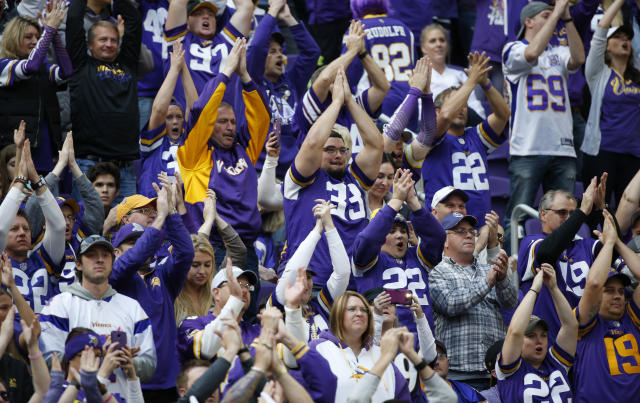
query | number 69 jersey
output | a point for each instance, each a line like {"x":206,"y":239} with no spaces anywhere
{"x":522,"y":382}
{"x":541,"y":122}
{"x":608,"y":358}
{"x":462,"y":162}
{"x":349,"y":216}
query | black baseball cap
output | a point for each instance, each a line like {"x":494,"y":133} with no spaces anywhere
{"x":93,"y":241}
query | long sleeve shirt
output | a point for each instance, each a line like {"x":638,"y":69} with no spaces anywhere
{"x":230,"y":171}
{"x":467,"y":311}
{"x":157,"y":291}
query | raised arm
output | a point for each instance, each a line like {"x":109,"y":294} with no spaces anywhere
{"x":309,"y":157}
{"x":512,"y":347}
{"x":540,"y":41}
{"x":632,"y":260}
{"x":39,"y":370}
{"x":567,"y":337}
{"x":589,"y":304}
{"x":629,"y":203}
{"x":501,"y":112}
{"x":165,"y":93}
{"x":75,"y":35}
{"x":269,"y":194}
{"x":132,"y":38}
{"x":339,"y":278}
{"x":576,"y":47}
{"x":23,"y":307}
{"x":328,"y":75}
{"x":369,"y":158}
{"x":176,"y":15}
{"x":241,"y":19}
{"x":379,"y":83}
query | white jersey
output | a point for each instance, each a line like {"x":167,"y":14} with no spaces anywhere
{"x":454,"y":77}
{"x":67,"y":311}
{"x":541,"y":122}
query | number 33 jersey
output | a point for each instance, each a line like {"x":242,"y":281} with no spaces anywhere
{"x":522,"y":382}
{"x":541,"y":122}
{"x":462,"y":162}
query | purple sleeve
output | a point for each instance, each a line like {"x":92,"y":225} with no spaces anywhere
{"x":402,"y":387}
{"x":401,"y":116}
{"x":431,"y":235}
{"x":188,"y":223}
{"x":428,"y":132}
{"x":39,"y":54}
{"x":321,"y":382}
{"x":56,"y":388}
{"x":582,"y":12}
{"x":126,"y":266}
{"x":181,"y":254}
{"x":63,"y":59}
{"x":369,"y":241}
{"x":204,"y":97}
{"x":307,"y":59}
{"x":259,"y":47}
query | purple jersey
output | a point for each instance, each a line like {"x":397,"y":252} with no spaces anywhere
{"x":349,"y":216}
{"x":462,"y":162}
{"x":489,"y":35}
{"x":522,"y":382}
{"x":374,"y":268}
{"x":204,"y":57}
{"x":571,"y":272}
{"x":158,"y":153}
{"x":608,"y":359}
{"x":390,"y":43}
{"x":620,"y":116}
{"x":36,"y":278}
{"x":154,"y":15}
{"x":416,"y":14}
{"x":310,"y":109}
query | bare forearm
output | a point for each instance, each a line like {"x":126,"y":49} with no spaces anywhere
{"x":328,"y":75}
{"x":498,"y":104}
{"x":244,"y":388}
{"x":452,"y":106}
{"x":190,"y":92}
{"x":368,"y":130}
{"x":293,"y":391}
{"x":540,"y":41}
{"x":576,"y":47}
{"x":375,"y":74}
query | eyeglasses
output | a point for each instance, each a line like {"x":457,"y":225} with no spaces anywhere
{"x":442,"y":356}
{"x":332,"y":150}
{"x":464,"y":232}
{"x":561,"y":212}
{"x":354,"y":309}
{"x":244,"y":285}
{"x":501,"y":238}
{"x":144,"y":211}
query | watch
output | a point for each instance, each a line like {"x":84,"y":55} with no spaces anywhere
{"x":40,"y":183}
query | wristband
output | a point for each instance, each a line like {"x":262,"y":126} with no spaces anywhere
{"x":568,"y":20}
{"x":108,"y":397}
{"x":486,"y":87}
{"x":21,"y":179}
{"x":35,"y":356}
{"x":254,"y":368}
{"x":243,"y":349}
{"x":40,"y":183}
{"x":422,"y":365}
{"x":362,"y":55}
{"x":531,"y":289}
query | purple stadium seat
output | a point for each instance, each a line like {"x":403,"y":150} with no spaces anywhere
{"x":266,"y":289}
{"x":501,"y":152}
{"x":532,"y":226}
{"x":499,"y":194}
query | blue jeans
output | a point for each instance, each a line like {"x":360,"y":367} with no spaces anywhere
{"x":127,"y":179}
{"x":251,"y":264}
{"x":144,"y":106}
{"x":528,"y":173}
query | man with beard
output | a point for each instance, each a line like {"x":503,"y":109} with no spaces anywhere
{"x":320,"y":171}
{"x":155,"y":287}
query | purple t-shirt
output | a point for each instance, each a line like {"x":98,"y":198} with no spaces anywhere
{"x":620,"y":116}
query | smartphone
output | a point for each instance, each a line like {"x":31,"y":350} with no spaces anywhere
{"x":277,"y":128}
{"x":402,"y":297}
{"x":120,"y":337}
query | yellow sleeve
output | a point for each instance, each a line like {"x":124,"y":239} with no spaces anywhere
{"x":258,"y":121}
{"x":194,"y":156}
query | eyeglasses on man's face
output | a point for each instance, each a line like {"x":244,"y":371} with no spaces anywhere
{"x":464,"y":231}
{"x":333,"y":150}
{"x":561,"y":212}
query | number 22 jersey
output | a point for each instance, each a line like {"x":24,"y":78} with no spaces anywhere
{"x":541,"y":122}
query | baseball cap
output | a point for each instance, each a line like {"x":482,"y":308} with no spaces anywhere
{"x":221,"y":276}
{"x":127,"y":232}
{"x":624,"y":28}
{"x":445,"y":192}
{"x":529,"y":11}
{"x":626,"y":281}
{"x":130,"y":203}
{"x":492,"y":354}
{"x":371,"y":294}
{"x":398,"y":218}
{"x":454,"y":219}
{"x":217,"y":6}
{"x":94,"y":240}
{"x":71,"y":203}
{"x":440,"y":345}
{"x":278,"y":37}
{"x":535,"y":321}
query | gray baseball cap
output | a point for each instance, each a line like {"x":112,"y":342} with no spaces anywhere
{"x":529,"y":11}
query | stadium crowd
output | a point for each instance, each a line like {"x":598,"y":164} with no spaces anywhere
{"x":319,"y":201}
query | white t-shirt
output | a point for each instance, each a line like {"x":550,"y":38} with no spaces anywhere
{"x":541,"y":122}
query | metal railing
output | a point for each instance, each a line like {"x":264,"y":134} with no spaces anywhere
{"x":519,"y":210}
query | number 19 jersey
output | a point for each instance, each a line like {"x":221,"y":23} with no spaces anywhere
{"x":541,"y":122}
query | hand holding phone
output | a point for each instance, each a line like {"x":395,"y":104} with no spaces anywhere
{"x":402,"y":297}
{"x":120,"y":337}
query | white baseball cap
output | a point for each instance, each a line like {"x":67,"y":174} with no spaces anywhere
{"x":445,"y":192}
